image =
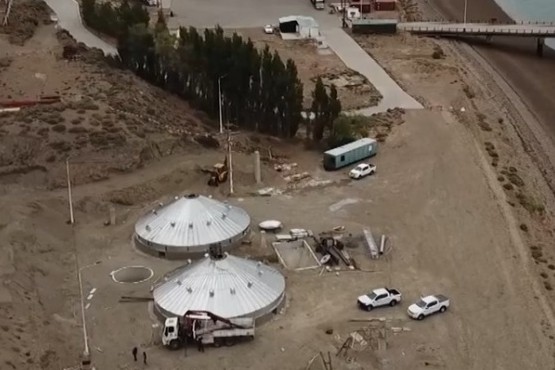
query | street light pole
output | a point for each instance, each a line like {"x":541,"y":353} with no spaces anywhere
{"x":86,"y":353}
{"x":465,"y":8}
{"x":230,"y":162}
{"x":71,"y":219}
{"x":220,"y":104}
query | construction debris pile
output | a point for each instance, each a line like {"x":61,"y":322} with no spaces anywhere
{"x":300,"y":249}
{"x":372,"y":337}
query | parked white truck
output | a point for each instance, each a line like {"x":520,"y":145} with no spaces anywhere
{"x":427,"y":306}
{"x":319,"y":4}
{"x":379,"y":297}
{"x":362,"y":170}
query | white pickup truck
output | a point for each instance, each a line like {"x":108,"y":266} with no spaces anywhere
{"x":379,"y":297}
{"x":427,"y":306}
{"x":362,"y":170}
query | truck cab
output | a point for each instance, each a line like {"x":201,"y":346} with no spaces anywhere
{"x":171,"y":332}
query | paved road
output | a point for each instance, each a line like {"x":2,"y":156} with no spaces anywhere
{"x":341,"y":43}
{"x":69,"y":19}
{"x":357,"y":59}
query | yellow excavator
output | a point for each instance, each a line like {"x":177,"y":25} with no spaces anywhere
{"x":218,"y":174}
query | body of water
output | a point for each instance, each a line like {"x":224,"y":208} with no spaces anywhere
{"x":530,"y":10}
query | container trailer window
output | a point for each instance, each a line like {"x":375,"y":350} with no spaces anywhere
{"x":342,"y":158}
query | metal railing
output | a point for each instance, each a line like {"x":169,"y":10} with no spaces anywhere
{"x":475,"y":29}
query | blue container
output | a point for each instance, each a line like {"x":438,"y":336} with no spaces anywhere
{"x":350,"y":153}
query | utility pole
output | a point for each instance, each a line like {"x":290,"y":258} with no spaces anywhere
{"x":220,"y":102}
{"x":343,"y":8}
{"x":229,"y":160}
{"x":70,"y":200}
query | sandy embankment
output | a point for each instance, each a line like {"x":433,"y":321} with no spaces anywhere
{"x":533,"y":78}
{"x":526,"y":80}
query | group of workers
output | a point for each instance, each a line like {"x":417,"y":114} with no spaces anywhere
{"x":135,"y":351}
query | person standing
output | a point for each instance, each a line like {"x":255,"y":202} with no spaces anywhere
{"x":134,"y":352}
{"x":144,"y":357}
{"x":200,"y":345}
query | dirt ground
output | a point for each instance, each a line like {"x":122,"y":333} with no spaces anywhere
{"x":354,"y":90}
{"x":469,"y":99}
{"x":454,"y":224}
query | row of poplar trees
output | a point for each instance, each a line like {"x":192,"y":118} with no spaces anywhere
{"x":260,"y":91}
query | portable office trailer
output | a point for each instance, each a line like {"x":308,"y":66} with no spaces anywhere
{"x":350,"y":153}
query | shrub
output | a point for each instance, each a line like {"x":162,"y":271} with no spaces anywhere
{"x":544,"y":275}
{"x":547,"y":285}
{"x":516,"y":180}
{"x":468,"y":92}
{"x":59,"y":128}
{"x":508,"y":186}
{"x":530,"y":204}
{"x":524,"y":227}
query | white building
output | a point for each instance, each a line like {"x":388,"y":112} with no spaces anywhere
{"x":298,"y":27}
{"x":188,"y":225}
{"x":225,"y":285}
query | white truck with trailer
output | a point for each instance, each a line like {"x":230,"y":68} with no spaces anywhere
{"x":206,"y":327}
{"x":379,"y":297}
{"x":427,"y":306}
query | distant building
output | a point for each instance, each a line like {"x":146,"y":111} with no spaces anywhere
{"x":298,"y":27}
{"x":364,"y":6}
{"x":368,"y":6}
{"x":385,"y":5}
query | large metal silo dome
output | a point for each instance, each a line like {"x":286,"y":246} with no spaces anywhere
{"x":227,"y":286}
{"x":188,"y":225}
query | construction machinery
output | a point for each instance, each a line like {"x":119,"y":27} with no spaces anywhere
{"x":204,"y":326}
{"x":218,"y":173}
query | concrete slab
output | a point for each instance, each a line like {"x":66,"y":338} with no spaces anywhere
{"x":295,"y":255}
{"x":244,"y":13}
{"x":357,"y":59}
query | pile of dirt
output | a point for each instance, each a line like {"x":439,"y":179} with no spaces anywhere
{"x":349,"y":84}
{"x":25,"y":17}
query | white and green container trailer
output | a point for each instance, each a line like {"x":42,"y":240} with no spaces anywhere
{"x":350,"y":153}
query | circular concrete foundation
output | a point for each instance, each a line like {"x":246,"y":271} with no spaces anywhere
{"x":132,"y":274}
